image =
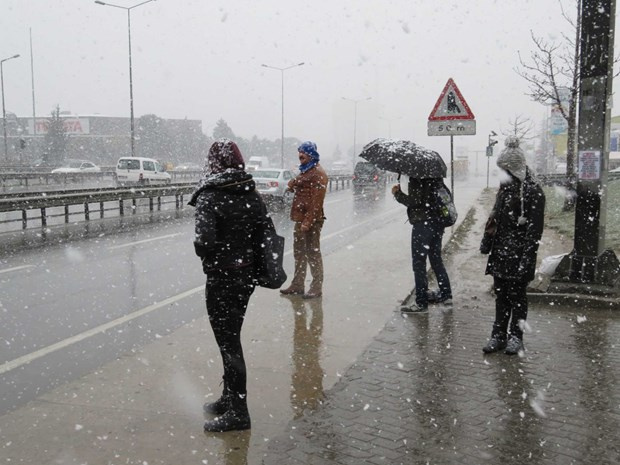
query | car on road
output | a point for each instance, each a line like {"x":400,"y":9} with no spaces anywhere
{"x":188,"y":166}
{"x":140,"y":171}
{"x":272,"y":185}
{"x":77,"y":166}
{"x":367,"y":177}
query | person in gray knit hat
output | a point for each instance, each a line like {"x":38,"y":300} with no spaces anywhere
{"x":511,"y":237}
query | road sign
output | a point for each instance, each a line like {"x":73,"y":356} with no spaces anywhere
{"x":451,"y":105}
{"x":465,"y":127}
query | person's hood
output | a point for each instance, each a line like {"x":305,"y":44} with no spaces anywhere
{"x":232,"y":181}
{"x":512,"y":159}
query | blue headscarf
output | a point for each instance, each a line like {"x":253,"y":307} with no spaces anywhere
{"x":309,"y":148}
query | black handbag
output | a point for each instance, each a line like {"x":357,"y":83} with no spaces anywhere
{"x":268,"y":249}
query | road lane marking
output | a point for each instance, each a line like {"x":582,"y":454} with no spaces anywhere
{"x":12,"y":364}
{"x":16,"y":268}
{"x":28,"y":358}
{"x":144,"y":241}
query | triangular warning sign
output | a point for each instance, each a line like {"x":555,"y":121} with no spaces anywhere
{"x":451,"y":105}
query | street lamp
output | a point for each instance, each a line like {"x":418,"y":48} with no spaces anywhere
{"x":355,"y":101}
{"x":133,"y":132}
{"x":282,"y":74}
{"x":6,"y":147}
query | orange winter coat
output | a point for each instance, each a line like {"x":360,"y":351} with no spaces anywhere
{"x":309,"y":188}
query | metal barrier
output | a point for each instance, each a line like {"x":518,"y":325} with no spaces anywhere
{"x":85,"y":198}
{"x":102,"y":200}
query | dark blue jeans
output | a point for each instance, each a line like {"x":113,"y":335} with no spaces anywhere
{"x":426,"y":240}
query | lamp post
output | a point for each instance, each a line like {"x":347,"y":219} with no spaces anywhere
{"x":282,"y":74}
{"x":355,"y":102}
{"x":128,"y":9}
{"x":6,"y":146}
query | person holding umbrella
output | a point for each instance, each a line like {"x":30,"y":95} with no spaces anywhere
{"x":426,"y":170}
{"x":426,"y":241}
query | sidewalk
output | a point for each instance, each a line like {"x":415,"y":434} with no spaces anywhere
{"x":424,"y":393}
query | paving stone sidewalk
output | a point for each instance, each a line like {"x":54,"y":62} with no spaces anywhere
{"x":424,"y":393}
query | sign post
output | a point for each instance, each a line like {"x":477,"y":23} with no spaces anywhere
{"x":451,"y":116}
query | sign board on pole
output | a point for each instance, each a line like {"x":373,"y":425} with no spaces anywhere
{"x":589,"y":164}
{"x":451,"y":114}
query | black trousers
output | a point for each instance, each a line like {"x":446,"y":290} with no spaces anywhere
{"x":510,"y":307}
{"x":227,"y":295}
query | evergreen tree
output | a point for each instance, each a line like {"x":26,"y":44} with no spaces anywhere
{"x":55,"y":141}
{"x":223,"y":131}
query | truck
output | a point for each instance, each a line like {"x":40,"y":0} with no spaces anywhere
{"x":257,"y":162}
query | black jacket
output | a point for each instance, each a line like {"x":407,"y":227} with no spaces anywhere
{"x":227,"y":210}
{"x":421,"y":202}
{"x":514,"y":246}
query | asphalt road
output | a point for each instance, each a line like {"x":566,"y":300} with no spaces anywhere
{"x":70,"y":307}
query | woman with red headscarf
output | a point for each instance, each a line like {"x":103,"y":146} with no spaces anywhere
{"x":227,"y":210}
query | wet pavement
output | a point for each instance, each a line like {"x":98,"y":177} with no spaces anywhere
{"x":330,"y":382}
{"x":423,"y":392}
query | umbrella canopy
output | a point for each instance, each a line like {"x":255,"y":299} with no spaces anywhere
{"x":404,"y":157}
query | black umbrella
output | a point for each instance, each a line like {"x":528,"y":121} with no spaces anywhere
{"x":404,"y":157}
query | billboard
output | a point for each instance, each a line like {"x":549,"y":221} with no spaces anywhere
{"x":72,"y":124}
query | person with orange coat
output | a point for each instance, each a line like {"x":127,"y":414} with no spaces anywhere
{"x":309,"y":187}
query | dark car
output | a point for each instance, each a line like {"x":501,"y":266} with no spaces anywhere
{"x":368,"y":178}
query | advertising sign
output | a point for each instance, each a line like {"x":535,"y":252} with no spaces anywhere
{"x":590,"y":164}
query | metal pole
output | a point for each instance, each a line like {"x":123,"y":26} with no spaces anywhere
{"x":488,"y":158}
{"x":452,"y":163}
{"x":282,"y":125}
{"x":6,"y":147}
{"x":354,"y":129}
{"x":282,"y":136}
{"x":34,"y":117}
{"x":131,"y":113}
{"x":133,"y":135}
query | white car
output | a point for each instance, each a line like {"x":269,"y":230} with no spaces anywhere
{"x":140,"y":171}
{"x":77,"y":166}
{"x":272,"y":184}
{"x":189,"y":166}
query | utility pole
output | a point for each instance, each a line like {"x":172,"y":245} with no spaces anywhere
{"x":588,"y":262}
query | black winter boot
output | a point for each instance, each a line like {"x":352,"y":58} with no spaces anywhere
{"x":495,"y":344}
{"x":236,"y":418}
{"x":218,"y":407}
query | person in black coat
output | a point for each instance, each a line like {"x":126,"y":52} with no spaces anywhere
{"x":511,"y":239}
{"x":426,"y":241}
{"x":227,"y":210}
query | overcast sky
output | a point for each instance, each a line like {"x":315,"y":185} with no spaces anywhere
{"x":202,"y":60}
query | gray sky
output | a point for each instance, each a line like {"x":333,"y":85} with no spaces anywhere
{"x":202,"y":60}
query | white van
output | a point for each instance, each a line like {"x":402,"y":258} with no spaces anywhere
{"x":139,"y":170}
{"x":255,"y":163}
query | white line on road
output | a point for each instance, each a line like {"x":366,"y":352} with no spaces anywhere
{"x":16,"y":268}
{"x":10,"y":365}
{"x":144,"y":241}
{"x":25,"y":359}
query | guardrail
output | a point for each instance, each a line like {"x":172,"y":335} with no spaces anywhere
{"x":16,"y":207}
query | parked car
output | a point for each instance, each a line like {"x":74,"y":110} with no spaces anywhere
{"x":77,"y":166}
{"x":139,"y":170}
{"x":188,"y":166}
{"x":366,"y":177}
{"x":272,"y":184}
